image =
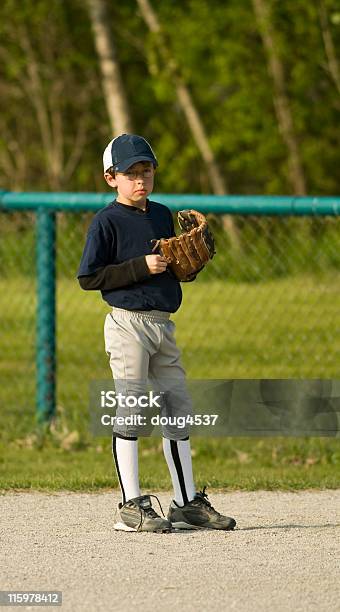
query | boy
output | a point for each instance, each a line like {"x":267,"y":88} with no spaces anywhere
{"x":139,"y":336}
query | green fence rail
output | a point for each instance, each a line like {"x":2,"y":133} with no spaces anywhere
{"x":240,"y":205}
{"x":45,"y":208}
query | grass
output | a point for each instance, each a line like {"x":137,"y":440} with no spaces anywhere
{"x":237,"y":463}
{"x":284,"y":328}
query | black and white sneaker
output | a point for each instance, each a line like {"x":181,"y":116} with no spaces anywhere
{"x":137,"y":514}
{"x":199,"y":514}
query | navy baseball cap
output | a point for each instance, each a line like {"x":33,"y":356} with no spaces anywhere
{"x":125,"y":150}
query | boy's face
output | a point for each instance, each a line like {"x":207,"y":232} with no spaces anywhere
{"x":134,"y":185}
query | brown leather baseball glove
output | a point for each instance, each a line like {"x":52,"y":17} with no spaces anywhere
{"x":188,"y":253}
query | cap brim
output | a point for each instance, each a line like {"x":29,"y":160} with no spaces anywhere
{"x":127,"y":163}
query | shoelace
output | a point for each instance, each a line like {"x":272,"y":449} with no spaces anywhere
{"x":149,"y":512}
{"x":203,"y":498}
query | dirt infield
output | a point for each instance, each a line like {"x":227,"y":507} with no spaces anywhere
{"x":284,"y":555}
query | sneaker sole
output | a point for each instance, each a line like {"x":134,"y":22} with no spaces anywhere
{"x":182,"y":525}
{"x":123,"y":527}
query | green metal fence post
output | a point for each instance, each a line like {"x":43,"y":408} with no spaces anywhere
{"x":46,"y":344}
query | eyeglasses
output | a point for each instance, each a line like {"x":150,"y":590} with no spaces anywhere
{"x":131,"y":175}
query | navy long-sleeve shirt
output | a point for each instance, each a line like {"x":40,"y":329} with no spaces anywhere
{"x":113,"y":259}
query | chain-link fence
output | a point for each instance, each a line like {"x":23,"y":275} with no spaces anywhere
{"x":267,"y":309}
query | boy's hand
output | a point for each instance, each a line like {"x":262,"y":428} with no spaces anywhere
{"x":156,"y":263}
